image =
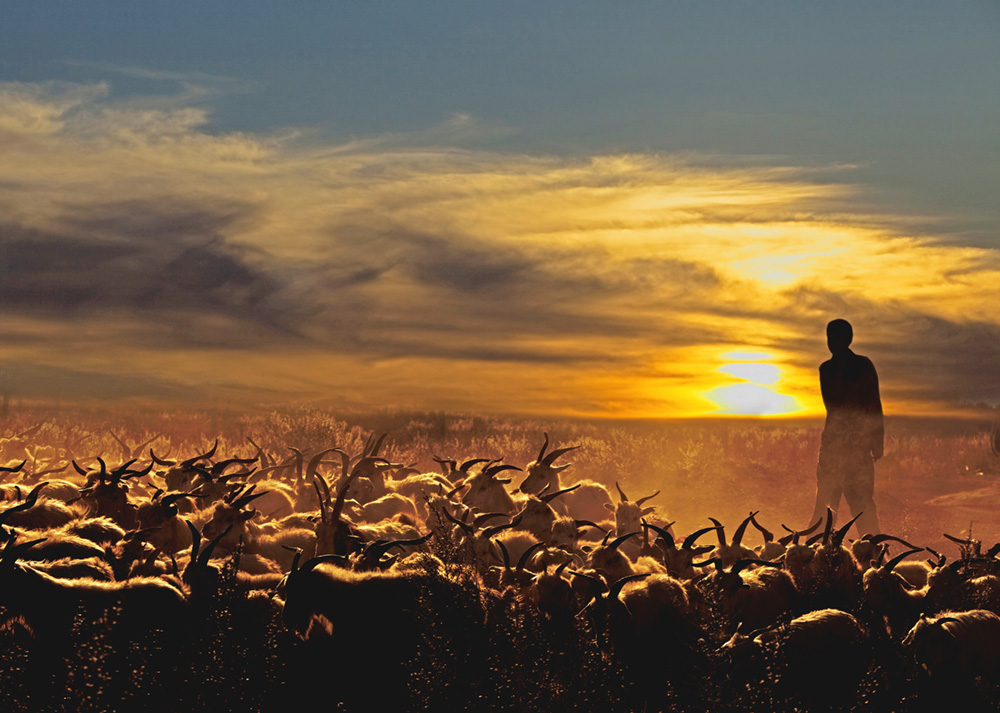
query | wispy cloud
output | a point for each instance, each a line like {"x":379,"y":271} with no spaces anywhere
{"x":138,"y":243}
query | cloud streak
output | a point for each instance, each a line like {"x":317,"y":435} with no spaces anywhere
{"x":138,"y":243}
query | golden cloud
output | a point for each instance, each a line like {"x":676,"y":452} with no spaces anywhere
{"x":138,"y":242}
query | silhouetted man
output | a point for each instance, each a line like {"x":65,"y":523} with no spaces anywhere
{"x":853,"y":434}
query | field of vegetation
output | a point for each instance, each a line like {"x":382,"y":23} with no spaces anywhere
{"x":937,"y":477}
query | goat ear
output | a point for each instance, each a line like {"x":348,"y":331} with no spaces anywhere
{"x":646,"y":511}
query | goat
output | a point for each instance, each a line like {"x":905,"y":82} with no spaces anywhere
{"x":552,"y":593}
{"x":887,"y":597}
{"x":420,"y":487}
{"x":34,"y":514}
{"x":609,"y":561}
{"x":957,"y":645}
{"x":183,"y":475}
{"x":106,"y":493}
{"x":589,"y":501}
{"x":679,"y":561}
{"x":629,"y":515}
{"x":349,"y":616}
{"x":820,"y":657}
{"x":833,"y":578}
{"x":161,"y":516}
{"x":538,"y":516}
{"x":387,"y":507}
{"x":93,"y":568}
{"x":49,"y":605}
{"x":56,"y":490}
{"x":968,"y":583}
{"x":487,"y":492}
{"x":754,"y":600}
{"x":729,"y":553}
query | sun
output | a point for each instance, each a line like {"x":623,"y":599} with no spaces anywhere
{"x":755,"y":394}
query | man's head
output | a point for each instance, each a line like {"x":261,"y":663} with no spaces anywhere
{"x":839,"y":335}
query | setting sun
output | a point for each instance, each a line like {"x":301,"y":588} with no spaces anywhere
{"x":754,"y":395}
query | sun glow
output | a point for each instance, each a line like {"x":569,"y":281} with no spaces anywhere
{"x":755,"y":395}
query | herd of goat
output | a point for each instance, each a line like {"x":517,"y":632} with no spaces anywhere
{"x":373,"y":568}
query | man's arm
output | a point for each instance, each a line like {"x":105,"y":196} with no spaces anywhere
{"x":876,"y":425}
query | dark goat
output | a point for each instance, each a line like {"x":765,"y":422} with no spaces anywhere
{"x":49,"y":605}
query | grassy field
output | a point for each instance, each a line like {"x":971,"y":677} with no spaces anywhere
{"x":937,"y":476}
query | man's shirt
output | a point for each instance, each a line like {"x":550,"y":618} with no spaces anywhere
{"x":849,"y":385}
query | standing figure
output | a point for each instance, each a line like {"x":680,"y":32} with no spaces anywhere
{"x":853,"y":435}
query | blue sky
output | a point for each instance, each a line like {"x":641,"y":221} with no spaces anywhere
{"x":880,"y":116}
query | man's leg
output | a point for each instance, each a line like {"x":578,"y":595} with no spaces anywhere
{"x":828,"y":484}
{"x":859,"y":490}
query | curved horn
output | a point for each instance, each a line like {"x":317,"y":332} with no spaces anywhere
{"x":12,"y":551}
{"x":741,"y":565}
{"x":492,"y":531}
{"x":338,"y":506}
{"x":662,"y":533}
{"x":616,"y":588}
{"x":620,"y":492}
{"x":549,"y":498}
{"x":815,"y":538}
{"x":314,"y":562}
{"x":720,"y":531}
{"x":887,"y":567}
{"x":493,"y":470}
{"x":374,"y":448}
{"x":206,"y":554}
{"x":768,"y":536}
{"x":207,"y":454}
{"x":129,"y":474}
{"x":640,"y":501}
{"x":315,"y":461}
{"x":693,"y":537}
{"x":159,"y":461}
{"x":527,"y":555}
{"x":28,"y":502}
{"x":829,"y":525}
{"x":838,"y":536}
{"x":541,"y":453}
{"x":296,"y":558}
{"x":168,"y":500}
{"x":475,"y":461}
{"x":17,"y":468}
{"x":323,"y":497}
{"x":466,"y":527}
{"x":617,"y":542}
{"x":195,"y":540}
{"x":480,"y":520}
{"x":551,"y":457}
{"x":941,"y":559}
{"x":247,"y":498}
{"x":879,"y":539}
{"x":741,"y":530}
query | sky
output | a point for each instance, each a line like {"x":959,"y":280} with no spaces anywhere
{"x":645,"y":210}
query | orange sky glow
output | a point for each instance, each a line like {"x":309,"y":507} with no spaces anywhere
{"x":146,"y":253}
